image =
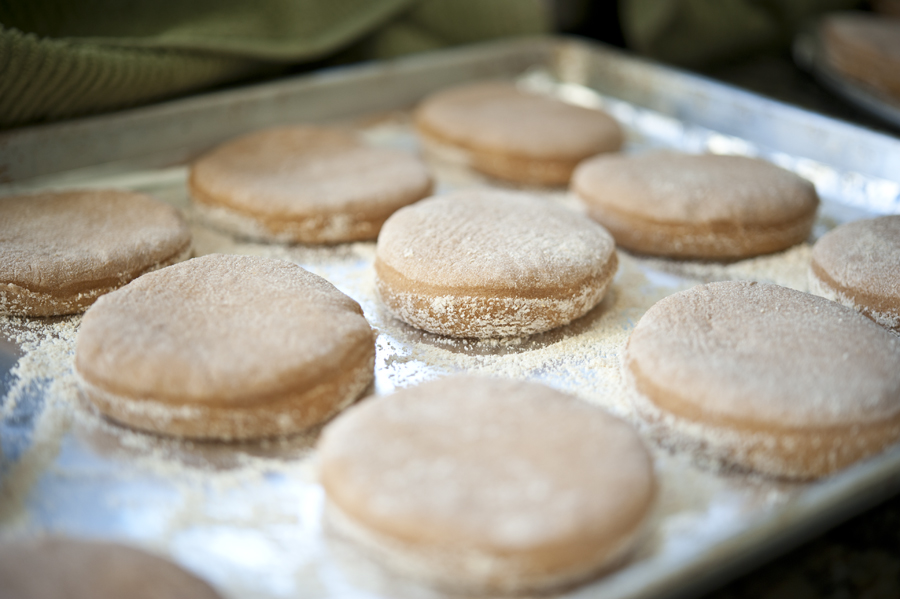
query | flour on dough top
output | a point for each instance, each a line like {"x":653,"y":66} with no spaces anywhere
{"x":306,"y":171}
{"x":499,"y":117}
{"x":494,"y":240}
{"x":495,"y":464}
{"x":54,"y":240}
{"x":668,"y":187}
{"x":217,"y":329}
{"x":863,"y":256}
{"x":767,"y":356}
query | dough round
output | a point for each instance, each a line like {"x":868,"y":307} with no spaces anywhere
{"x":864,"y":47}
{"x":765,"y":378}
{"x":704,"y":207}
{"x":858,"y":265}
{"x":487,"y":263}
{"x":225,"y":347}
{"x":504,"y":132}
{"x":52,"y":568}
{"x":305,"y":184}
{"x":487,"y":485}
{"x":60,"y":251}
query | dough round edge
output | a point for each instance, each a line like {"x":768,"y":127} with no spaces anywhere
{"x":473,"y":571}
{"x":684,"y":237}
{"x":321,"y":229}
{"x":476,"y":564}
{"x":60,"y":562}
{"x":789,"y":454}
{"x":506,"y":166}
{"x":504,"y":162}
{"x":20,"y":301}
{"x":722,"y":241}
{"x":321,"y":226}
{"x":292,"y":412}
{"x":456,"y":313}
{"x":821,"y":284}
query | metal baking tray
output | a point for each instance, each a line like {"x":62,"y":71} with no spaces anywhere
{"x":247,"y":517}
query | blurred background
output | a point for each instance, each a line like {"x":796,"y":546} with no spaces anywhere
{"x":61,"y":59}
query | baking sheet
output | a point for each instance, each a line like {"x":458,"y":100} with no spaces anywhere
{"x":247,"y":517}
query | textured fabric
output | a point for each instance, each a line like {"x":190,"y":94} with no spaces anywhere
{"x":60,"y":59}
{"x":704,"y":33}
{"x":432,"y":24}
{"x":287,"y":30}
{"x":46,"y":79}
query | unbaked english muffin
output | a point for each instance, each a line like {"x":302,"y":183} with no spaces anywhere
{"x":507,"y":133}
{"x":858,"y":265}
{"x":765,"y":378}
{"x":56,"y":567}
{"x":61,"y":250}
{"x":702,"y":207}
{"x":224,"y":347}
{"x":305,"y":184}
{"x":486,"y":263}
{"x":864,"y":47}
{"x":487,"y":486}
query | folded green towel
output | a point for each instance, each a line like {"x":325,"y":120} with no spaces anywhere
{"x":60,"y":59}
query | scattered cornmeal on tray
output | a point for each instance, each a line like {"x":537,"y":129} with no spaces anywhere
{"x":510,"y":134}
{"x":864,"y":47}
{"x":703,"y":207}
{"x":765,"y":378}
{"x":487,"y":263}
{"x":858,"y":265}
{"x":305,"y":184}
{"x":57,"y":567}
{"x":61,"y":250}
{"x":485,"y":485}
{"x":224,"y":347}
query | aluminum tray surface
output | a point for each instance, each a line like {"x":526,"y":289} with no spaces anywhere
{"x":247,"y":517}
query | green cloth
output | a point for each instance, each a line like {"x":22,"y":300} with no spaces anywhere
{"x":707,"y":33}
{"x":64,"y":58}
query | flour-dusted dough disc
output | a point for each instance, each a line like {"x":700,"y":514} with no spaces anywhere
{"x":57,"y":568}
{"x":487,"y":485}
{"x":705,"y":207}
{"x":487,"y":263}
{"x":864,"y":47}
{"x":225,"y":347}
{"x":510,"y":134}
{"x":858,"y":265}
{"x":60,"y":251}
{"x":765,"y":378}
{"x":305,"y":184}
